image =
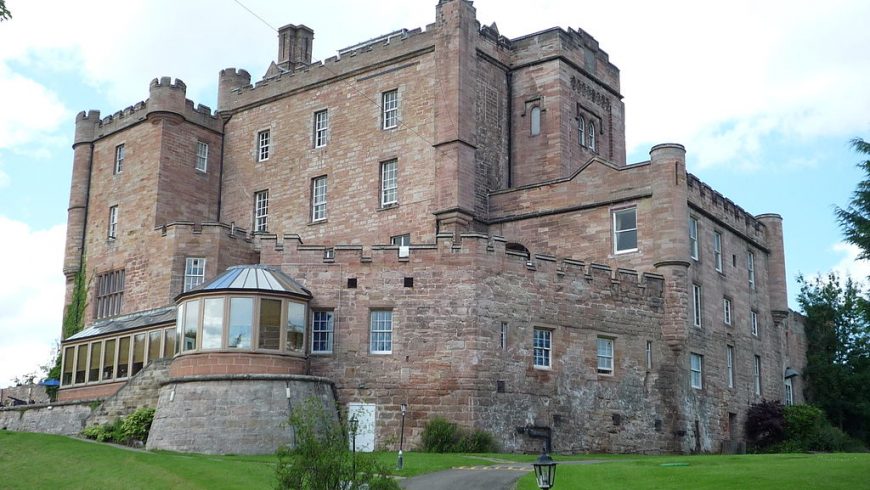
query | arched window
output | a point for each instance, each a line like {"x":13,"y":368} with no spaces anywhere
{"x":535,"y":121}
{"x":591,"y":135}
{"x":581,"y":129}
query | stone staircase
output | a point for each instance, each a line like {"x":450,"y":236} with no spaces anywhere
{"x":140,"y":391}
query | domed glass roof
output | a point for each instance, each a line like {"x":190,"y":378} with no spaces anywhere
{"x":256,"y":277}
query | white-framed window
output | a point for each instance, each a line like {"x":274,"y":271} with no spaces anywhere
{"x":729,"y":364}
{"x":717,"y":250}
{"x":649,"y":354}
{"x":605,"y":355}
{"x":322,"y":330}
{"x":390,"y":104}
{"x":581,"y":130}
{"x":789,"y":392}
{"x":318,"y":198}
{"x":535,"y":121}
{"x":112,"y":231}
{"x":261,"y":210}
{"x":194,"y":272}
{"x":264,"y":142}
{"x":201,"y":156}
{"x":401,"y":240}
{"x":750,"y":267}
{"x":693,"y":238}
{"x":726,"y":311}
{"x":757,"y":375}
{"x":119,"y":158}
{"x":381,"y":332}
{"x":591,"y":130}
{"x":502,"y":339}
{"x":109,"y":294}
{"x":696,"y":366}
{"x":696,"y":305}
{"x":321,"y":128}
{"x":542,"y":345}
{"x":625,"y":230}
{"x":753,"y":322}
{"x":389,"y":183}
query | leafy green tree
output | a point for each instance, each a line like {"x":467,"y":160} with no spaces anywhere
{"x":838,"y":352}
{"x":855,"y":219}
{"x":4,"y":12}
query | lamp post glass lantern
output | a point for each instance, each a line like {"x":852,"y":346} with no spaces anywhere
{"x":354,"y":426}
{"x":401,"y":462}
{"x":545,"y":471}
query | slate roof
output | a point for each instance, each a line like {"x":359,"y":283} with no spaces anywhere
{"x":122,"y":323}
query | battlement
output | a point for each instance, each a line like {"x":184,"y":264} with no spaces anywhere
{"x":368,"y":57}
{"x":165,"y":96}
{"x":724,"y":209}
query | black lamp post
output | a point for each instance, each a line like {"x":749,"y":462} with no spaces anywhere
{"x":401,"y":462}
{"x":354,"y":426}
{"x":545,"y":471}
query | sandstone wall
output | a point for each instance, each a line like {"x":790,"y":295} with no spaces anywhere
{"x":57,"y":418}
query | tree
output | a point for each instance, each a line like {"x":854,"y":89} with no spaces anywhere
{"x":855,"y":219}
{"x":5,"y":14}
{"x":838,"y":352}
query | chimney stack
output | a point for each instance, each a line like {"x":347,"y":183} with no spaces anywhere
{"x":295,"y":44}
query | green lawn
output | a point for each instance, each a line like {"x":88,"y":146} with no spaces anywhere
{"x":773,"y":471}
{"x":44,"y":461}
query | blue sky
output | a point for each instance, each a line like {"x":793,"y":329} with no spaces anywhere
{"x":764,"y":95}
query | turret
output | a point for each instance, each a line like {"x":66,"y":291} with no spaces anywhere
{"x":229,"y":80}
{"x":165,"y":96}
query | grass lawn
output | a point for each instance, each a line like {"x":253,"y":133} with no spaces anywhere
{"x":773,"y":471}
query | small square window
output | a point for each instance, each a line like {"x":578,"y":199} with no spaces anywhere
{"x":351,"y":283}
{"x":401,"y":240}
{"x":194,"y":272}
{"x":119,"y":158}
{"x":542,"y":345}
{"x":390,"y":105}
{"x":264,"y":141}
{"x":201,"y":156}
{"x":409,"y":282}
{"x":605,"y":356}
{"x":625,"y":230}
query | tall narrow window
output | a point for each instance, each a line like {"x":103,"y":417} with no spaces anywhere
{"x":155,"y":347}
{"x":605,"y":356}
{"x":295,"y":335}
{"x":726,"y":311}
{"x":535,"y":121}
{"x":321,"y":127}
{"x":625,"y":230}
{"x":124,"y":357}
{"x":264,"y":141}
{"x":753,"y":323}
{"x":542,"y":344}
{"x":750,"y":267}
{"x":693,"y":238}
{"x":241,"y":326}
{"x":757,"y":375}
{"x":94,"y":364}
{"x":201,"y":156}
{"x":717,"y":250}
{"x":789,"y":392}
{"x":138,"y":354}
{"x":213,"y":322}
{"x":729,"y":364}
{"x":318,"y":198}
{"x":119,"y":158}
{"x":389,"y":183}
{"x":112,"y":232}
{"x":261,"y":210}
{"x":270,"y":324}
{"x":591,"y":129}
{"x":109,"y":294}
{"x":321,"y":332}
{"x":109,"y":360}
{"x":381,"y":332}
{"x":581,"y":130}
{"x":502,"y":339}
{"x":194,"y":272}
{"x":696,"y":366}
{"x":649,"y":354}
{"x":69,"y":355}
{"x":696,"y":305}
{"x":390,"y":104}
{"x":188,"y":334}
{"x":81,"y":363}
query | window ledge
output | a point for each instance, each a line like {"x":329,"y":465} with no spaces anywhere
{"x":621,"y":252}
{"x":318,"y":222}
{"x":387,"y":207}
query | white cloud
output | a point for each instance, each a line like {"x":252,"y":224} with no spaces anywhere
{"x":30,"y":110}
{"x":31,"y":295}
{"x":849,"y":265}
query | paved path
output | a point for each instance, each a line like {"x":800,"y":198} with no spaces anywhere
{"x":494,"y":477}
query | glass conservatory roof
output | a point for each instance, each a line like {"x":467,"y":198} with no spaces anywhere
{"x":122,"y":323}
{"x":251,"y":278}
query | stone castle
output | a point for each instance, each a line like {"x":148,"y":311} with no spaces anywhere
{"x":439,"y":217}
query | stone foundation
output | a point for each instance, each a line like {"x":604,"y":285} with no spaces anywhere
{"x":232,"y":414}
{"x":58,"y":418}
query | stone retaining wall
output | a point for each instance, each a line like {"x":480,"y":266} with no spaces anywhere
{"x":59,"y":418}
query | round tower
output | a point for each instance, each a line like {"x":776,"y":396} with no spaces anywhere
{"x":165,"y":96}
{"x":229,"y":80}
